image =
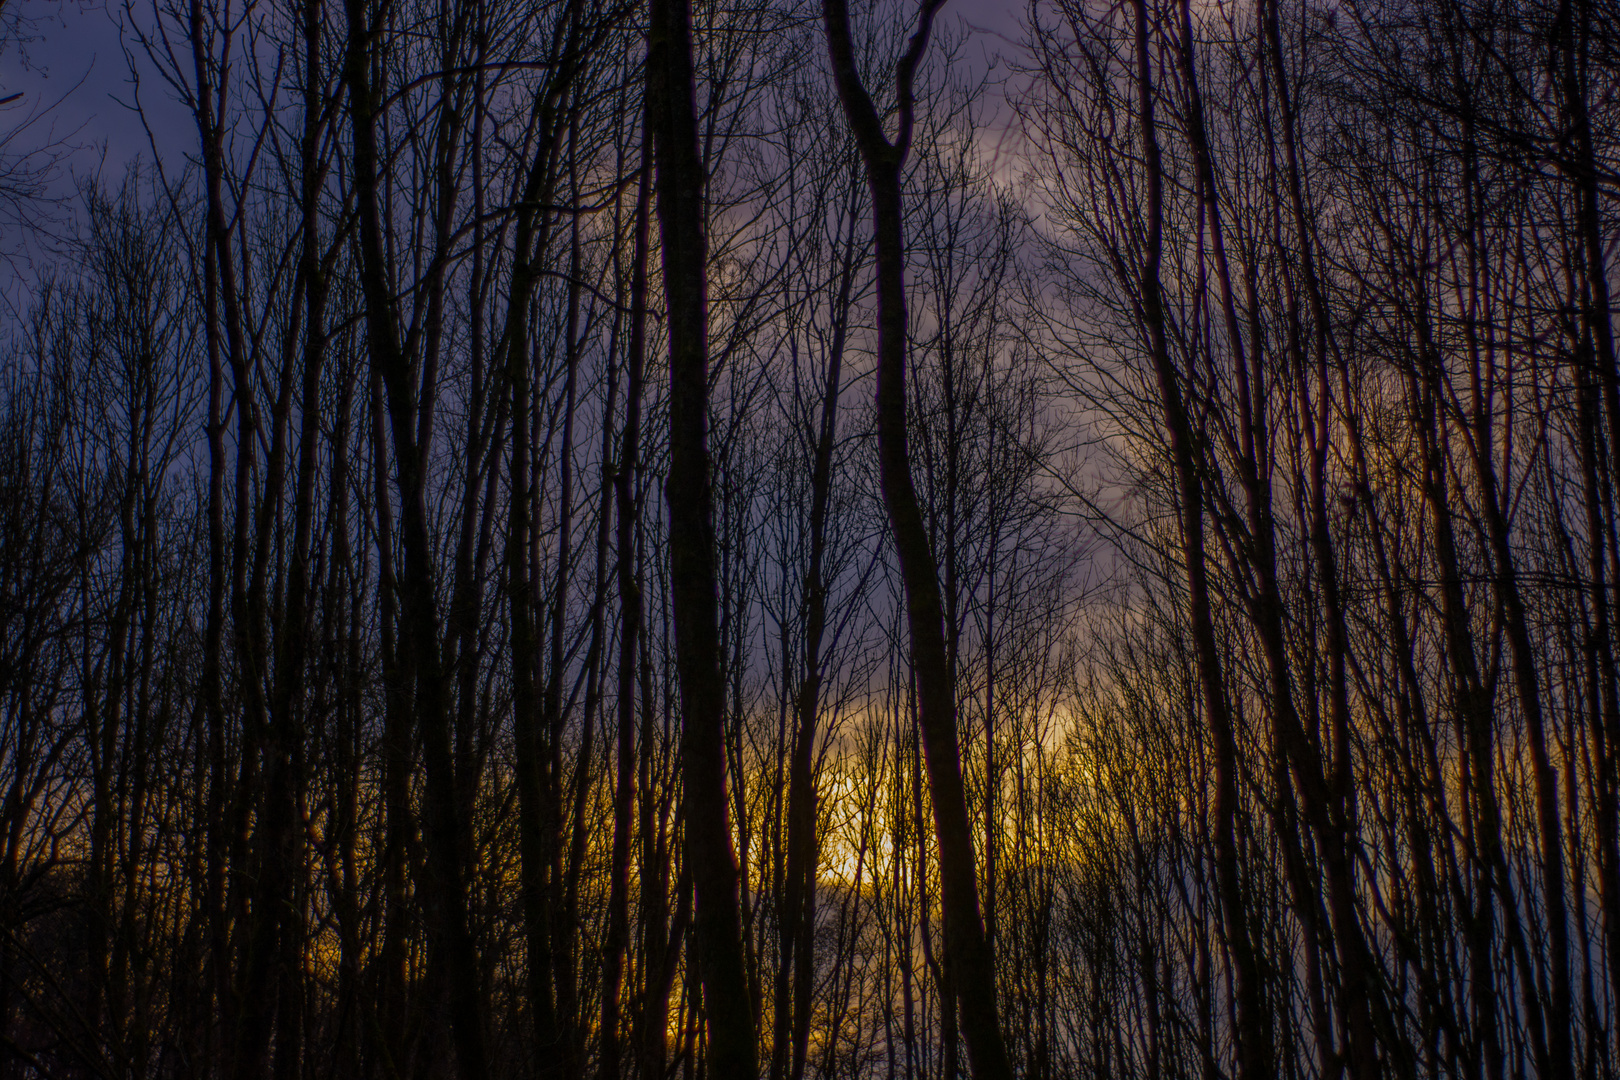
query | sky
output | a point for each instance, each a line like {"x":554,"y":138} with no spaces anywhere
{"x":67,"y":68}
{"x":73,"y":75}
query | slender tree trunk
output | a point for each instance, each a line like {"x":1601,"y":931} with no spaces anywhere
{"x":798,"y":917}
{"x":1573,"y":32}
{"x":624,"y":483}
{"x":1254,"y":1034}
{"x":446,"y":886}
{"x":967,"y":950}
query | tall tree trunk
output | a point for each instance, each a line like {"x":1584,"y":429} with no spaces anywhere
{"x":537,"y":835}
{"x":1254,"y":1034}
{"x":446,"y":866}
{"x":967,"y":950}
{"x":710,"y":857}
{"x":1573,"y":32}
{"x":624,"y":484}
{"x":1325,"y":791}
{"x":798,"y":917}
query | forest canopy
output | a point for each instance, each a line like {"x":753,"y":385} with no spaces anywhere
{"x":586,"y":538}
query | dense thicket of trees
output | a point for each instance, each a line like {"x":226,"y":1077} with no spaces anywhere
{"x":594,"y":539}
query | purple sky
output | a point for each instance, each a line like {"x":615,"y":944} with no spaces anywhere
{"x":74,"y":72}
{"x":74,"y":78}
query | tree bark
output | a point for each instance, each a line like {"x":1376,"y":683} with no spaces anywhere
{"x":446,"y":885}
{"x":710,"y":856}
{"x":624,"y":485}
{"x":1254,"y":1034}
{"x":966,"y":947}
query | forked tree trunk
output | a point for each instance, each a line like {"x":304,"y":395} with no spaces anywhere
{"x":967,"y":951}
